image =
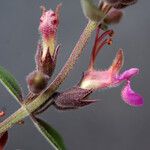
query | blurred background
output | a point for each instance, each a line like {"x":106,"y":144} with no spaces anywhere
{"x":109,"y":124}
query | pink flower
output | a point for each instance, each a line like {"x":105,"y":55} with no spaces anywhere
{"x":98,"y":79}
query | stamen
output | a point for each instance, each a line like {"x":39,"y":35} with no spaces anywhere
{"x":97,"y":46}
{"x":2,"y":113}
{"x":106,"y":41}
{"x":109,"y":41}
{"x":20,"y":122}
{"x":107,"y":33}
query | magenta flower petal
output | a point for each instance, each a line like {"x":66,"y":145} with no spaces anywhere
{"x":130,"y":97}
{"x":128,"y":74}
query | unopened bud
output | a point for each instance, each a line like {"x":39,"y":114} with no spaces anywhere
{"x":114,"y":16}
{"x":49,"y":22}
{"x":37,"y":81}
{"x":47,"y":50}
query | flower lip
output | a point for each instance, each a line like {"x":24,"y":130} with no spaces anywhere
{"x":130,"y":97}
{"x":127,"y":75}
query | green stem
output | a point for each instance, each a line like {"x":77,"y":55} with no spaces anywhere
{"x":13,"y":119}
{"x":28,"y":108}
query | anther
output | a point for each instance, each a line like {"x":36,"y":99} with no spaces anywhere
{"x":2,"y":113}
{"x":111,"y":33}
{"x":107,"y":33}
{"x":20,"y":122}
{"x":109,"y":41}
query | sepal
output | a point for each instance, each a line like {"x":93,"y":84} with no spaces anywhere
{"x":73,"y":98}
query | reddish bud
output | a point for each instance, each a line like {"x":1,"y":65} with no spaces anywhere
{"x":114,"y":16}
{"x":49,"y":22}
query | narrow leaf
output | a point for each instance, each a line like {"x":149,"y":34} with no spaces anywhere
{"x":10,"y":83}
{"x":3,"y":140}
{"x":51,"y":135}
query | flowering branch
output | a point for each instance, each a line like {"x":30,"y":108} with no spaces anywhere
{"x":41,"y":95}
{"x":28,"y":108}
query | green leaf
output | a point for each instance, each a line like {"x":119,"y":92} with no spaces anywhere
{"x":51,"y":135}
{"x":10,"y":83}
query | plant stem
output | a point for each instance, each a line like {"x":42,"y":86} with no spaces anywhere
{"x":13,"y":119}
{"x":28,"y":108}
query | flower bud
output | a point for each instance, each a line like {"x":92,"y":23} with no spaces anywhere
{"x":37,"y":81}
{"x":114,"y":16}
{"x":47,"y":50}
{"x":49,"y":22}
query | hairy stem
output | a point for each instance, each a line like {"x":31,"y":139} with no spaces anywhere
{"x":13,"y":119}
{"x":28,"y":108}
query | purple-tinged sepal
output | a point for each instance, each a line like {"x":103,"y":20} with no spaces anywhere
{"x":130,"y":97}
{"x":47,"y":63}
{"x":73,"y":98}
